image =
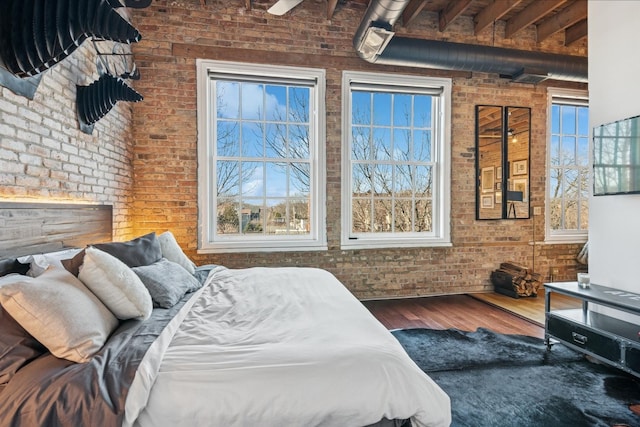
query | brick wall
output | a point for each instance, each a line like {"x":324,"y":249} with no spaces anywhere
{"x":165,"y":163}
{"x":45,"y":157}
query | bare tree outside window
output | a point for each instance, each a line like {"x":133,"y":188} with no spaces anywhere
{"x":391,"y":176}
{"x":263,"y":166}
{"x":569,"y":168}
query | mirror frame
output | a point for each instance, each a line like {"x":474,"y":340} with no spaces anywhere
{"x":503,"y":127}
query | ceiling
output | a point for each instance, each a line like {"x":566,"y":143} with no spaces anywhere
{"x":548,"y":16}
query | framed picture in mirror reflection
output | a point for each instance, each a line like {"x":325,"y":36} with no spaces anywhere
{"x":487,"y":179}
{"x":519,"y":167}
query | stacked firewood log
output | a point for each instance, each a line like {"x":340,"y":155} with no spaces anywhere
{"x":516,"y":281}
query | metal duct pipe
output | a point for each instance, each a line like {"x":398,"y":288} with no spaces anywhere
{"x":521,"y":65}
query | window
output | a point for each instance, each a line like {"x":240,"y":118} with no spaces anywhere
{"x":396,"y":159}
{"x":261,"y":157}
{"x":568,"y":173}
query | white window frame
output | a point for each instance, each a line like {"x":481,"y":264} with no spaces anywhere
{"x":568,"y":96}
{"x":440,"y":236}
{"x":207,"y":206}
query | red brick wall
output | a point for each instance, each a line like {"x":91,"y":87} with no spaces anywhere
{"x":45,"y":157}
{"x":165,"y":163}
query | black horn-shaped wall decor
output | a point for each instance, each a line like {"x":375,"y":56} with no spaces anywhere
{"x":96,"y":100}
{"x":36,"y":34}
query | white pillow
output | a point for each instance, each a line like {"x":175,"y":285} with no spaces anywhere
{"x":116,"y":285}
{"x":40,"y":262}
{"x":58,"y":311}
{"x":172,"y":251}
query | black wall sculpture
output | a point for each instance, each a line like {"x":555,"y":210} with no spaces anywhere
{"x":37,"y":34}
{"x":96,"y":100}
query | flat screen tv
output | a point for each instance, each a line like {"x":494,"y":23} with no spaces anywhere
{"x":616,"y":157}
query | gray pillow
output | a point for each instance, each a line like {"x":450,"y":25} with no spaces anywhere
{"x":144,"y":250}
{"x":167,"y":282}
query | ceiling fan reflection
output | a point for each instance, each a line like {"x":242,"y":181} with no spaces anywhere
{"x":283,"y":6}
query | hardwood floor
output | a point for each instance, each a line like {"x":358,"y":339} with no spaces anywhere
{"x":451,"y":311}
{"x":529,"y":308}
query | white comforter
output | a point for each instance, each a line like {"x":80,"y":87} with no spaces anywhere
{"x":279,"y":347}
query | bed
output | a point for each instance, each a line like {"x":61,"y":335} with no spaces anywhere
{"x":234,"y":347}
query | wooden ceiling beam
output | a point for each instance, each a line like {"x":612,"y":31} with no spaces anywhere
{"x":530,"y":14}
{"x":492,"y":13}
{"x":412,"y":10}
{"x":331,"y":8}
{"x":452,"y":11}
{"x":575,"y":12}
{"x":576,"y":32}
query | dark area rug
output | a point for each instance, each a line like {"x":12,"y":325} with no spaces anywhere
{"x":512,"y":380}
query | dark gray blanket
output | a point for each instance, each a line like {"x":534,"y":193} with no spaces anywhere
{"x":55,"y":392}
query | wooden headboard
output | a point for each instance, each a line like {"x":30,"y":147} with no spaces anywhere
{"x":29,"y":228}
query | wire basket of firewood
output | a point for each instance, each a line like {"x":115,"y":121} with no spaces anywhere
{"x":516,"y":281}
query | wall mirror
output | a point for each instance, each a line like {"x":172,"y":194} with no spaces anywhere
{"x":502,"y":162}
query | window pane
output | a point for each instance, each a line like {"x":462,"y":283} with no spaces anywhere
{"x":382,"y":109}
{"x":276,"y":103}
{"x":382,"y":180}
{"x":381,"y":144}
{"x":382,"y":215}
{"x":252,"y":100}
{"x":360,"y":147}
{"x":584,"y":214}
{"x":252,"y":216}
{"x":299,"y":219}
{"x":568,"y":119}
{"x":555,"y":178}
{"x":422,"y":111}
{"x":424,"y":180}
{"x":300,"y":179}
{"x":568,"y":150}
{"x":555,"y":119}
{"x":555,"y":213}
{"x":299,"y":106}
{"x":252,"y":140}
{"x":424,"y":215}
{"x":555,"y":150}
{"x":227,"y":100}
{"x":228,"y":138}
{"x":299,"y":142}
{"x":361,"y":179}
{"x":401,"y":145}
{"x":583,"y":121}
{"x":361,"y":215}
{"x":227,"y":178}
{"x":422,"y":145}
{"x":361,"y":108}
{"x":403,"y":216}
{"x":276,"y":184}
{"x":275,"y":141}
{"x":402,"y":110}
{"x":571,"y":184}
{"x":403,"y":180}
{"x":583,"y":151}
{"x":252,"y":179}
{"x":570,"y":214}
{"x":277,"y":218}
{"x":228,"y":219}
